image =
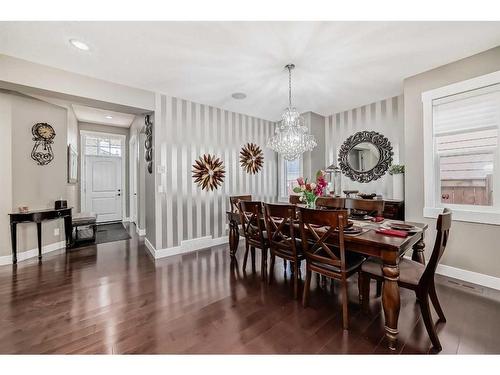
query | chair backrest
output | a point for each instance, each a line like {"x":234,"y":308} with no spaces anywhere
{"x":321,"y":231}
{"x":235,"y":199}
{"x":280,"y":219}
{"x":251,"y":215}
{"x":372,"y":206}
{"x":443,"y":226}
{"x":294,"y":199}
{"x":330,"y":202}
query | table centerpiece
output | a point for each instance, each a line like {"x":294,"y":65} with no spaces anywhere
{"x":310,"y":191}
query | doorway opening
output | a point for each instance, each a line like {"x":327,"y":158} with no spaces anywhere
{"x":103,"y":166}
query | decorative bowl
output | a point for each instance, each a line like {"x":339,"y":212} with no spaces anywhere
{"x":349,"y":192}
{"x":367,"y":196}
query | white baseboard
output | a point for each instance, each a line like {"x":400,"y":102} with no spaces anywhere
{"x":126,"y":220}
{"x":186,"y":246}
{"x":150,"y":247}
{"x":7,"y":259}
{"x":140,"y":232}
{"x":469,"y":276}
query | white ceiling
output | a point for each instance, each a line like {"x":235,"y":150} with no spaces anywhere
{"x":98,"y":116}
{"x":340,"y":65}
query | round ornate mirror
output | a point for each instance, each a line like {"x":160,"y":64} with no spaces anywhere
{"x":365,"y":156}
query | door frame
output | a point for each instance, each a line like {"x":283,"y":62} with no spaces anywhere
{"x":123,"y":158}
{"x":133,"y":171}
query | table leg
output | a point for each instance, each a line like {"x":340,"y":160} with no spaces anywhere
{"x":13,"y":236}
{"x":234,"y":237}
{"x":39,"y":236}
{"x":418,"y":251}
{"x":68,"y":230}
{"x":390,"y":296}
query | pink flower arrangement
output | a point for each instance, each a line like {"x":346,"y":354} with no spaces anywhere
{"x":310,"y":191}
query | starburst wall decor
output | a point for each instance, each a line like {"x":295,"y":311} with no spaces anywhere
{"x":208,"y":172}
{"x":251,"y":158}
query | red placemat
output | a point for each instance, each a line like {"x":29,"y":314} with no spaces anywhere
{"x":392,"y":232}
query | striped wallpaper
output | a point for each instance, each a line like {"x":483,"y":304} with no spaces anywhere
{"x":185,"y":131}
{"x":386,"y":117}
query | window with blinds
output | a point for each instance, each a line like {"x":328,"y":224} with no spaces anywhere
{"x":465,"y":131}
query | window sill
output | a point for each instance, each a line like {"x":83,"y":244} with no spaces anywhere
{"x":480,"y":217}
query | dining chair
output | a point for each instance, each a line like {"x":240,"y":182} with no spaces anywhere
{"x":235,"y":199}
{"x":372,"y":206}
{"x":284,"y":239}
{"x":417,"y":277}
{"x":322,"y":233}
{"x":294,"y":199}
{"x":252,"y":222}
{"x":330,"y":202}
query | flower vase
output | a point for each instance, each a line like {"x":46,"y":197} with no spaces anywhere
{"x":311,"y":203}
{"x":398,"y":185}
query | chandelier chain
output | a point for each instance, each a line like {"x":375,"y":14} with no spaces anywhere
{"x":289,"y":86}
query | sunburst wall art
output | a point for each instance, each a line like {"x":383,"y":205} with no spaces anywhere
{"x":208,"y":172}
{"x":251,"y":158}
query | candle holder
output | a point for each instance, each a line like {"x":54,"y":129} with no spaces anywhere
{"x":334,"y":179}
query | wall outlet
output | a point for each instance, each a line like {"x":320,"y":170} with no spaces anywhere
{"x":56,"y":231}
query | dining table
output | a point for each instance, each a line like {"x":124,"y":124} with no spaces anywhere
{"x":387,"y":248}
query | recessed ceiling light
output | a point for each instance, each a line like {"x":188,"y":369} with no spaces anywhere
{"x":108,"y":116}
{"x":239,"y":95}
{"x":79,"y":44}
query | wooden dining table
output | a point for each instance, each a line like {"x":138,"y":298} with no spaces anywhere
{"x":370,"y":243}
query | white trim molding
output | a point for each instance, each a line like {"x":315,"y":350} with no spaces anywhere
{"x":123,"y":161}
{"x":469,"y":276}
{"x":7,"y":259}
{"x":140,"y":231}
{"x":186,"y":246}
{"x":433,"y":206}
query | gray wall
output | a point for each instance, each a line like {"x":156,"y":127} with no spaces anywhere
{"x":386,"y":117}
{"x":473,"y":247}
{"x":315,"y":160}
{"x":5,"y":171}
{"x":112,"y":130}
{"x":35,"y":186}
{"x":188,"y":130}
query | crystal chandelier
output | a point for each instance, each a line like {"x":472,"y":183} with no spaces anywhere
{"x":291,"y":138}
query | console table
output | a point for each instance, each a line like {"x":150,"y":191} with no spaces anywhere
{"x":37,"y":217}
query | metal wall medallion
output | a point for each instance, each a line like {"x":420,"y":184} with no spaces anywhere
{"x":43,"y":135}
{"x":208,"y":172}
{"x":148,"y":143}
{"x":365,"y":156}
{"x":251,"y":158}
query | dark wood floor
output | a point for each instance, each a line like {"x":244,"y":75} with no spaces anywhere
{"x":113,"y":298}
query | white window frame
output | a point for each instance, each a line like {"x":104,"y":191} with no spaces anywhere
{"x":282,"y":177}
{"x":123,"y":138}
{"x":432,"y":202}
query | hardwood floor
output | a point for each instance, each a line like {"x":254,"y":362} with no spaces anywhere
{"x":113,"y":298}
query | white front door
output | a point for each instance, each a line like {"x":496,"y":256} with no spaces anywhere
{"x":103,"y":194}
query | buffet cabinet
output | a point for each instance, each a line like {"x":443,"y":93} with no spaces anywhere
{"x":394,"y":209}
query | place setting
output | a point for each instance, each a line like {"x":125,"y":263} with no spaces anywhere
{"x":397,"y":229}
